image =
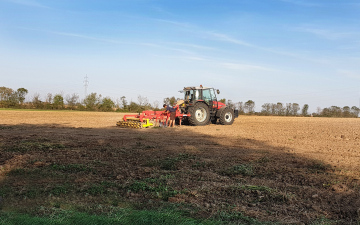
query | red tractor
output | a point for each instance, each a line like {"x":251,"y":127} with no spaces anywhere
{"x":199,"y":107}
{"x":202,"y":106}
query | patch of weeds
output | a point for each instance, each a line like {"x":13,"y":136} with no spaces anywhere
{"x":100,"y":188}
{"x":17,"y":172}
{"x":199,"y":165}
{"x":323,"y":221}
{"x":317,"y":167}
{"x":141,"y":137}
{"x":100,"y":163}
{"x":6,"y":127}
{"x":26,"y":146}
{"x":171,"y":163}
{"x":60,"y":189}
{"x":256,"y":188}
{"x":123,"y":216}
{"x":33,"y":173}
{"x":71,"y":168}
{"x":243,"y":169}
{"x":157,"y":186}
{"x":96,"y":189}
{"x":149,"y":146}
{"x":236,"y":218}
{"x":5,"y":191}
{"x":264,"y":159}
{"x":32,"y":192}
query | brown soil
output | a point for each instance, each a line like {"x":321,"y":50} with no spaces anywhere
{"x":284,"y":169}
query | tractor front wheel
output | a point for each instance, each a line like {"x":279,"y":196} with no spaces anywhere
{"x":226,"y":117}
{"x":199,"y":114}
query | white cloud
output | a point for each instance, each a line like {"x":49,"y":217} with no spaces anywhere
{"x":246,"y":67}
{"x":328,"y":34}
{"x":302,"y":3}
{"x":29,"y":3}
{"x":226,"y":38}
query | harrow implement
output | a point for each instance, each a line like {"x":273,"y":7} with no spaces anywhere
{"x":134,"y":123}
{"x":146,"y":119}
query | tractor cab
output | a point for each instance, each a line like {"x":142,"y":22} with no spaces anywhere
{"x":194,"y":94}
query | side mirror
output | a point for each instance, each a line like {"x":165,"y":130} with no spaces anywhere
{"x":218,"y":91}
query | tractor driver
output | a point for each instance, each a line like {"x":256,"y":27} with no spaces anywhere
{"x":172,"y":112}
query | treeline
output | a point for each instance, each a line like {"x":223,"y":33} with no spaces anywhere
{"x":10,"y":98}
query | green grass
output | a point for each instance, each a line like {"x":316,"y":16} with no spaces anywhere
{"x":243,"y":169}
{"x":171,"y":163}
{"x":71,"y":168}
{"x":126,"y":217}
{"x":25,"y":146}
{"x":155,"y":186}
{"x":123,"y":217}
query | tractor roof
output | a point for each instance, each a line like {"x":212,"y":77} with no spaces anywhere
{"x":195,"y":88}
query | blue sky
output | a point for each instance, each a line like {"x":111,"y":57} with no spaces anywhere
{"x":303,"y":51}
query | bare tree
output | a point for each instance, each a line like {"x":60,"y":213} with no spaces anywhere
{"x":36,"y":102}
{"x":295,"y":109}
{"x":250,"y":106}
{"x":266,"y":109}
{"x":72,"y":100}
{"x":240,"y":107}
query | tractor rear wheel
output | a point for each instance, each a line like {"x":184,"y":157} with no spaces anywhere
{"x":199,"y":114}
{"x":226,"y":117}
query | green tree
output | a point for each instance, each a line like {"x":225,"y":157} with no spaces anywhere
{"x":134,"y":107}
{"x":21,"y":92}
{"x":346,"y":111}
{"x":107,"y":105}
{"x":6,"y":95}
{"x":92,"y":101}
{"x":355,"y":111}
{"x":170,"y":101}
{"x":223,"y":100}
{"x":250,"y":106}
{"x":48,"y":101}
{"x":295,"y":109}
{"x":124,"y":103}
{"x":58,"y":101}
{"x":280,"y":110}
{"x":304,"y":110}
{"x":288,"y":109}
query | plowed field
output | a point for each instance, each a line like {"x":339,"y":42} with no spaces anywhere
{"x":282,"y":169}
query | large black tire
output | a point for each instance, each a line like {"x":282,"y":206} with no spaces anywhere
{"x":227,"y":116}
{"x":199,"y":114}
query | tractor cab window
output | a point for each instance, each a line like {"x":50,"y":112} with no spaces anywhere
{"x":206,"y":95}
{"x":192,"y":95}
{"x":187,"y":95}
{"x":213,"y":95}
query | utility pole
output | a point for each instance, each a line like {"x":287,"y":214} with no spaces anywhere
{"x":86,"y":84}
